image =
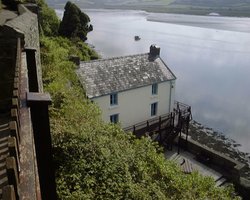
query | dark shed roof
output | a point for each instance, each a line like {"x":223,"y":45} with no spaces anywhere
{"x":105,"y":76}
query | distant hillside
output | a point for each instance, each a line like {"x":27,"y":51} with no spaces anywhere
{"x":214,"y":3}
{"x":199,"y":7}
{"x":223,"y":7}
{"x":114,"y":3}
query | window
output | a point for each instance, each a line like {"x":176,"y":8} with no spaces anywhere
{"x":153,"y":109}
{"x":154,"y":89}
{"x":114,"y":118}
{"x":114,"y":99}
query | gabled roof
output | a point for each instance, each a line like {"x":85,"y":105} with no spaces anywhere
{"x":106,"y":76}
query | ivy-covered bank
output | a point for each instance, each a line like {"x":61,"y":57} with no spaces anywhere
{"x":95,"y":160}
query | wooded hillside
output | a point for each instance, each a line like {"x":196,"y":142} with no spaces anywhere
{"x":200,"y":7}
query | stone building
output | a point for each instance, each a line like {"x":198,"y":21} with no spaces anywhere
{"x":130,"y":89}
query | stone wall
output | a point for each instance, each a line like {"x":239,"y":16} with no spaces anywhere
{"x":24,"y":26}
{"x":228,"y":166}
{"x":27,"y":24}
{"x":26,"y":105}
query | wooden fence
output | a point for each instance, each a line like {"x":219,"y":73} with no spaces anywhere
{"x":165,"y":128}
{"x":12,"y":159}
{"x":26,"y":166}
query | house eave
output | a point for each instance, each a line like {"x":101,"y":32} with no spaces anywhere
{"x":91,"y":97}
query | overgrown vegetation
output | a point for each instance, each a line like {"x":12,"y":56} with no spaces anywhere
{"x":95,"y":160}
{"x":99,"y":161}
{"x":48,"y":19}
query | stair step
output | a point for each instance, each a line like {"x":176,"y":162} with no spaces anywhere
{"x":186,"y":166}
{"x":177,"y":158}
{"x":220,"y":181}
{"x":3,"y":139}
{"x":173,"y":156}
{"x":4,"y":125}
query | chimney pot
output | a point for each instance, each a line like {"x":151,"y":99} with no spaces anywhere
{"x":154,"y":50}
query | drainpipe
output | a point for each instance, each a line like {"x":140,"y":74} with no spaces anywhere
{"x":170,"y":96}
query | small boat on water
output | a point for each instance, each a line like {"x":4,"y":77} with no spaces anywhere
{"x":137,"y":38}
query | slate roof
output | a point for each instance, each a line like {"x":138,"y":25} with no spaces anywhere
{"x":106,"y":76}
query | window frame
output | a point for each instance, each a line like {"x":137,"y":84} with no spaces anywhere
{"x":113,"y":99}
{"x":154,"y":90}
{"x":154,"y":109}
{"x":114,"y":118}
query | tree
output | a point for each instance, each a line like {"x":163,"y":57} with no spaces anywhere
{"x":75,"y":23}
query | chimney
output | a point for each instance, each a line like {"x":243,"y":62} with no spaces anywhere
{"x":154,"y":50}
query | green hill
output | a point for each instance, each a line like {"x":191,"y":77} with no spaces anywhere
{"x":200,"y":7}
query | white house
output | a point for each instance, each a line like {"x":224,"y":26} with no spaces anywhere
{"x":130,"y":89}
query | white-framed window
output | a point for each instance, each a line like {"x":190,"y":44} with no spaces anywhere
{"x":114,"y":118}
{"x":114,"y":99}
{"x":154,"y":109}
{"x":154,"y":89}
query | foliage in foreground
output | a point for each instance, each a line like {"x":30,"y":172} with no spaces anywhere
{"x":99,"y":161}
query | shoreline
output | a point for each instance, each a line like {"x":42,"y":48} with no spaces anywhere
{"x":223,"y":23}
{"x":220,"y":143}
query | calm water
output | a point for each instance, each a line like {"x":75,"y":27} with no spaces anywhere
{"x":212,"y":65}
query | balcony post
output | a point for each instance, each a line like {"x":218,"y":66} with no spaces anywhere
{"x":38,"y":103}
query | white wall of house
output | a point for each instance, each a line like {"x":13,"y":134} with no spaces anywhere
{"x":134,"y":105}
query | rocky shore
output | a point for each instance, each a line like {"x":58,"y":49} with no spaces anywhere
{"x":219,"y":142}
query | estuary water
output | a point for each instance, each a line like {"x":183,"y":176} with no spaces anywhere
{"x":209,"y":55}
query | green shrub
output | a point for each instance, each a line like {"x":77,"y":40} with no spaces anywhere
{"x":95,"y":160}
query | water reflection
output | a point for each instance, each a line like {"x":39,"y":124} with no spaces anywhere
{"x":212,"y":66}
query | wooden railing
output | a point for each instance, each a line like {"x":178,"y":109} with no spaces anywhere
{"x":12,"y":162}
{"x":165,"y":128}
{"x":150,"y":126}
{"x":28,"y":156}
{"x":184,"y":115}
{"x":26,"y":166}
{"x":183,"y":109}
